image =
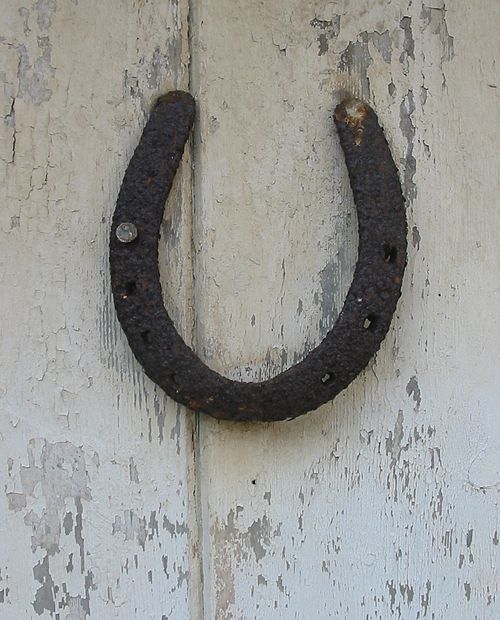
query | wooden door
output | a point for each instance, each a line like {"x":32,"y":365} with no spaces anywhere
{"x":118,"y":503}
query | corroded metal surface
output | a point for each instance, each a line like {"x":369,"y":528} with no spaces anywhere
{"x":361,"y":325}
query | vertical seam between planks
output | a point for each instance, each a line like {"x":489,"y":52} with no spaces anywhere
{"x":193,"y":83}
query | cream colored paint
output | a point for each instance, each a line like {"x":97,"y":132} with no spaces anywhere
{"x":116,"y":502}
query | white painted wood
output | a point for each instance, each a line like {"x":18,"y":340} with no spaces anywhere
{"x":96,"y":510}
{"x":385,"y":502}
{"x":381,"y":504}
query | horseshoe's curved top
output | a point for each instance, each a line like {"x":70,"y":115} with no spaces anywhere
{"x":361,"y":325}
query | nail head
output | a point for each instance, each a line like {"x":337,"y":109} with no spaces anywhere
{"x":126,"y":232}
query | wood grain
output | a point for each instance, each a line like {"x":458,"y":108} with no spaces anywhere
{"x":385,"y":502}
{"x":97,"y":518}
{"x":116,"y":503}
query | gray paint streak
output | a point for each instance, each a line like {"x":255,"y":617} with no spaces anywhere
{"x":329,"y":283}
{"x":133,"y":472}
{"x":131,"y":526}
{"x":17,"y":501}
{"x":382,"y":43}
{"x":79,"y":531}
{"x":45,"y":10}
{"x":68,"y":523}
{"x":328,"y":30}
{"x":408,"y":43}
{"x":393,"y":444}
{"x":406,"y":111}
{"x":44,"y":597}
{"x":413,"y":391}
{"x":415,"y":237}
{"x":35,"y":78}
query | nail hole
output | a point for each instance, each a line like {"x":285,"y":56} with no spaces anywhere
{"x":327,"y":378}
{"x":390,"y":253}
{"x":145,"y":337}
{"x":130,"y":288}
{"x":370,"y":322}
{"x":254,"y":481}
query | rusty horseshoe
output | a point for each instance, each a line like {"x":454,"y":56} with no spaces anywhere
{"x":361,"y":325}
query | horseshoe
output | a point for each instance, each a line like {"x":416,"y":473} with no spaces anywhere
{"x":361,"y":325}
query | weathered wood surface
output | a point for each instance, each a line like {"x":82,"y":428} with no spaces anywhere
{"x":96,"y":463}
{"x":116,"y":502}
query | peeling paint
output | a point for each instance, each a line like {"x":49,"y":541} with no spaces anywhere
{"x":406,"y":110}
{"x":133,"y":473}
{"x":408,"y":43}
{"x":468,"y":590}
{"x":75,"y":436}
{"x":382,"y":43}
{"x":435,"y":19}
{"x":415,"y":237}
{"x":35,"y":78}
{"x":231,"y":541}
{"x":131,"y":526}
{"x":413,"y":391}
{"x":44,"y":597}
{"x":356,"y":59}
{"x":45,"y":10}
{"x":62,"y":475}
{"x":394,"y":440}
{"x":17,"y":501}
{"x":328,"y":30}
{"x":381,"y":505}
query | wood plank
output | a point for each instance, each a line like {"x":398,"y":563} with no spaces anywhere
{"x":385,"y":502}
{"x":97,"y":517}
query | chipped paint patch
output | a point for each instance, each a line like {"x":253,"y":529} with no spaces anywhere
{"x":56,"y":477}
{"x":36,"y":77}
{"x":434,"y":18}
{"x":45,"y":10}
{"x":408,"y":51}
{"x":44,"y":597}
{"x":356,"y":58}
{"x":415,"y":237}
{"x":406,"y":111}
{"x":61,"y":475}
{"x":328,"y":30}
{"x":413,"y":391}
{"x":393,"y":442}
{"x":382,"y":43}
{"x":233,"y":546}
